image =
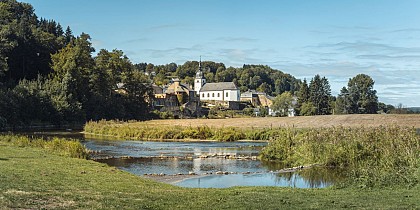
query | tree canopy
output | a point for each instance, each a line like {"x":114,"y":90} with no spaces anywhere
{"x":358,"y":97}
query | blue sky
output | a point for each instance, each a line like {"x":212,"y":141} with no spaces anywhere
{"x":337,"y":39}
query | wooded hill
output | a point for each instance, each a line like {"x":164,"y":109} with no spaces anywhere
{"x":48,"y":75}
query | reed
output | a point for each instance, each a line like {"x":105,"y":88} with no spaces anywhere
{"x":380,"y":156}
{"x":139,"y":130}
{"x":59,"y":146}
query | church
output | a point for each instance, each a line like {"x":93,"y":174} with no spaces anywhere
{"x":220,"y":91}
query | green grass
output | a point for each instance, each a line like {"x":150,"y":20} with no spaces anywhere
{"x":60,"y":146}
{"x":34,"y":178}
{"x":138,"y":130}
{"x":373,"y":157}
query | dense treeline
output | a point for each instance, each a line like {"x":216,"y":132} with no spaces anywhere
{"x":49,"y":76}
{"x":249,"y":77}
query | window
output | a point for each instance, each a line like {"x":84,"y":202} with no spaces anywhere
{"x":198,"y":81}
{"x":203,"y":95}
{"x":212,"y":95}
{"x":227,"y":94}
{"x":208,"y":95}
{"x":218,"y":94}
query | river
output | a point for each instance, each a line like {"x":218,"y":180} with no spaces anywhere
{"x":204,"y":164}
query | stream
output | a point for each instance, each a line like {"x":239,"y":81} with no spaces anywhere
{"x":203,"y":164}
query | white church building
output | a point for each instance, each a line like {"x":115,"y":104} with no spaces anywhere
{"x":220,"y":91}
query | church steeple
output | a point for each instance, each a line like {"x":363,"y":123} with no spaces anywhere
{"x":199,"y":79}
{"x":199,"y":64}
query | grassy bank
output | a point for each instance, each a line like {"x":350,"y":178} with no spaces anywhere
{"x":374,"y":157}
{"x":59,"y":146}
{"x":33,"y":178}
{"x":139,"y":130}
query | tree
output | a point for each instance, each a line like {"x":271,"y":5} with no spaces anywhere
{"x":72,"y":67}
{"x":302,"y":95}
{"x":282,"y":103}
{"x":319,"y":95}
{"x":359,"y":97}
{"x":307,"y":109}
{"x":68,"y":35}
{"x":138,"y":95}
{"x":265,"y":88}
{"x":362,"y":94}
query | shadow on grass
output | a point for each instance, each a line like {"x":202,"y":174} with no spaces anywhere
{"x":4,"y":159}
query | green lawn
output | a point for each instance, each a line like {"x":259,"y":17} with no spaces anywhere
{"x":31,"y":178}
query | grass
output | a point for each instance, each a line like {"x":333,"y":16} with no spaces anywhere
{"x":232,"y":129}
{"x":60,"y":146}
{"x":143,"y":131}
{"x":31,"y":178}
{"x":374,"y":157}
{"x":321,"y":121}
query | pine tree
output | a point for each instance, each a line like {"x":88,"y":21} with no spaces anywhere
{"x":319,"y":95}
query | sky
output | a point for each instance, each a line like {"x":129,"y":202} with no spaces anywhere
{"x":335,"y":39}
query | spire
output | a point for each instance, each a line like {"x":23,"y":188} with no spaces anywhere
{"x":199,"y":74}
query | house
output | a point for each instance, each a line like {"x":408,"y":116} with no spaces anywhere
{"x":175,"y":96}
{"x":257,"y":98}
{"x":221,"y":91}
{"x":250,"y":96}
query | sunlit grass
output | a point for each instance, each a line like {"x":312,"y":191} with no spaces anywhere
{"x":382,"y":156}
{"x":34,"y":178}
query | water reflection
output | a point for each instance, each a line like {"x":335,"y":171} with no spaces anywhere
{"x":320,"y":175}
{"x":173,"y":149}
{"x":259,"y":179}
{"x":171,"y":166}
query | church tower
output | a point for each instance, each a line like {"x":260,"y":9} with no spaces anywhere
{"x":199,"y":79}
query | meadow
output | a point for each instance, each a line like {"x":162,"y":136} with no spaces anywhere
{"x":233,"y":129}
{"x":33,"y":177}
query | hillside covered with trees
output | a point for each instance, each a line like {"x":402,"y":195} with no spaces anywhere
{"x":50,"y":76}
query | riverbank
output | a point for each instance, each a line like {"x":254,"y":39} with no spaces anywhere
{"x":234,"y":129}
{"x":31,"y":178}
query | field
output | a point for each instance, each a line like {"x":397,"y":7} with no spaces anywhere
{"x":297,"y":122}
{"x":31,"y":178}
{"x":232,"y":129}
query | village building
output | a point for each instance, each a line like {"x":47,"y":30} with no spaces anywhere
{"x":257,"y":98}
{"x":219,"y":92}
{"x":178,"y":98}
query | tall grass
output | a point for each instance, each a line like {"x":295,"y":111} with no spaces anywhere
{"x":146,"y":132}
{"x":60,"y":146}
{"x":374,"y":156}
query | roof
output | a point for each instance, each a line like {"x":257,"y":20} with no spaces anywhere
{"x":157,"y":89}
{"x":220,"y":86}
{"x":247,"y":94}
{"x":177,"y":86}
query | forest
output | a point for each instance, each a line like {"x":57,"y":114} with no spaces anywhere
{"x":48,"y":75}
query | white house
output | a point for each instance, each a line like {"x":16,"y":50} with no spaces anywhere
{"x":221,"y":91}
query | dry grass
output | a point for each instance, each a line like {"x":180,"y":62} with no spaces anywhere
{"x":297,"y":122}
